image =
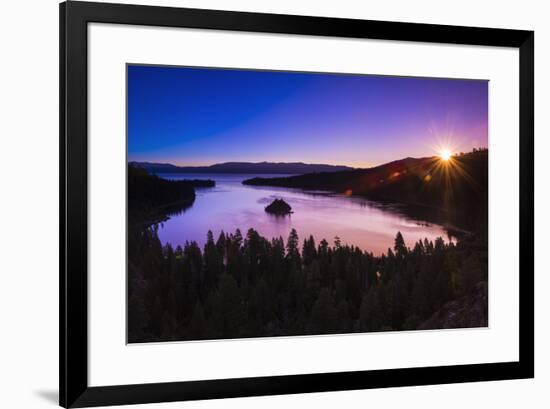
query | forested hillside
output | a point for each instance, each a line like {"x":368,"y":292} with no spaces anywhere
{"x":252,"y":286}
{"x":457,"y":186}
{"x":151,"y":198}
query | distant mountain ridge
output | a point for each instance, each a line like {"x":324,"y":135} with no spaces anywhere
{"x":243,"y":167}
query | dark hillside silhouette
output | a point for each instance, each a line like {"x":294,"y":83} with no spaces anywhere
{"x":151,"y":198}
{"x":458,"y":186}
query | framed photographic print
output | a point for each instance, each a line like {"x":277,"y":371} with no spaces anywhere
{"x":256,"y":204}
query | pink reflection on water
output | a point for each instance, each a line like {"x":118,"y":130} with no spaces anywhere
{"x":231,"y":205}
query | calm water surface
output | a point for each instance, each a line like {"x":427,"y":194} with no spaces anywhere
{"x":231,"y":205}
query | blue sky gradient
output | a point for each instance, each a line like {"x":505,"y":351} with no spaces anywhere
{"x":200,"y":116}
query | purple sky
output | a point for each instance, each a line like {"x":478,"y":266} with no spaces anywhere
{"x":198,"y":116}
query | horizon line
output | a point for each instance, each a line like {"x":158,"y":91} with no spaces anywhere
{"x":366,"y":166}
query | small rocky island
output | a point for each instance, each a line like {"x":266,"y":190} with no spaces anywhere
{"x":279,"y":207}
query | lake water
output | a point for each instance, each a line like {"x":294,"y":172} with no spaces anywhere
{"x":231,"y":205}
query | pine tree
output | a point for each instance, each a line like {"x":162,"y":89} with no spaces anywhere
{"x":309,"y":252}
{"x":292,"y":251}
{"x":399,"y":247}
{"x":212,"y":264}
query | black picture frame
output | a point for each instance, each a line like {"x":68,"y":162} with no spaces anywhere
{"x":73,"y":348}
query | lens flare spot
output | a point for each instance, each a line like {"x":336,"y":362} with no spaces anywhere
{"x":445,"y":154}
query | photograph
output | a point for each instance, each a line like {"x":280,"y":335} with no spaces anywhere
{"x":268,"y":203}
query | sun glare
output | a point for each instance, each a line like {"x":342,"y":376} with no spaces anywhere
{"x":445,"y":154}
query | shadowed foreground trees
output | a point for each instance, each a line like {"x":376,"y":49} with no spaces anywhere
{"x":250,"y":286}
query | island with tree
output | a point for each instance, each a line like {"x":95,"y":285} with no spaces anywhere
{"x":278,"y":207}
